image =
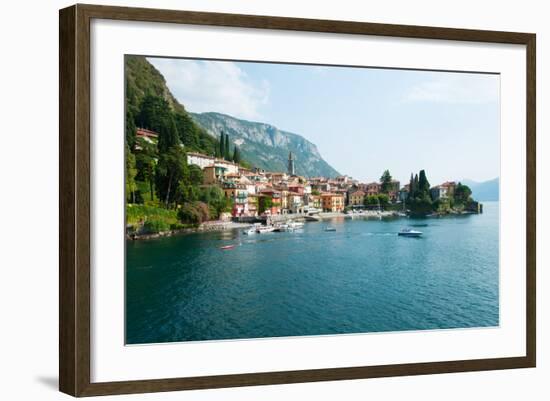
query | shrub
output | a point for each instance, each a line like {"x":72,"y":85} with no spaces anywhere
{"x":176,"y":226}
{"x":137,"y":214}
{"x":194,"y":213}
{"x":153,"y":226}
{"x":187,"y":214}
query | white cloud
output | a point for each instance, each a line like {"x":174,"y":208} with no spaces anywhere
{"x":213,"y":86}
{"x":456,"y":88}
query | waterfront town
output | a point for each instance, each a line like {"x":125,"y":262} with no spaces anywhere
{"x":256,"y":193}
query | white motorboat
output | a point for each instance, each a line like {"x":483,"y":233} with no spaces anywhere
{"x":250,"y":231}
{"x":409,"y":232}
{"x":265,"y":229}
{"x":295,"y":225}
{"x":282,"y":228}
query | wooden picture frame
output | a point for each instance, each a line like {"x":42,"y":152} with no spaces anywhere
{"x":75,"y":207}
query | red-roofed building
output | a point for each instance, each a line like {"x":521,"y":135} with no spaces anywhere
{"x":145,"y":133}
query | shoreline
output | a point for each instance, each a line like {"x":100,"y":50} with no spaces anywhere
{"x":204,"y":227}
{"x":231,"y":225}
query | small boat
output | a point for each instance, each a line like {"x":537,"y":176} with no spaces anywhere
{"x":282,"y":228}
{"x":250,"y":231}
{"x":265,"y":229}
{"x":408,"y":232}
{"x":227,"y":247}
{"x":330,"y":229}
{"x":295,"y":225}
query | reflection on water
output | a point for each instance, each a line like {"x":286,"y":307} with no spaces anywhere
{"x":362,"y":277}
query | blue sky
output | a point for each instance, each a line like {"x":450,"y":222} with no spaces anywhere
{"x":363,"y":120}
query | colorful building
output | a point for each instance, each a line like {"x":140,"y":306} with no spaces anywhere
{"x":145,"y":133}
{"x":239,"y":195}
{"x":203,"y":161}
{"x":315,"y":201}
{"x":269,"y":202}
{"x":331,"y":202}
{"x":357,"y":198}
{"x":295,"y":202}
{"x":213,"y":174}
{"x":372,"y":188}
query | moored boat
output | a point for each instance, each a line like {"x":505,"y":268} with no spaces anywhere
{"x":282,"y":228}
{"x":265,"y":229}
{"x":295,"y":225}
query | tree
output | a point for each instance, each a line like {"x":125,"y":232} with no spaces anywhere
{"x":154,"y":113}
{"x":216,"y":199}
{"x":168,"y":136}
{"x":195,"y":175}
{"x":131,"y":171}
{"x":265,"y":203}
{"x":130,"y":131}
{"x":462,"y":194}
{"x":145,"y":164}
{"x":386,"y":182}
{"x":423,"y":184}
{"x":171,"y":168}
{"x":419,"y":200}
{"x":371,"y":200}
{"x":226,"y":152}
{"x":383,"y":199}
{"x":412,"y":189}
{"x":188,"y":132}
{"x":236,"y":155}
{"x":221,"y":150}
{"x":186,"y":193}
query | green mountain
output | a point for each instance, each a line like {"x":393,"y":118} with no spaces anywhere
{"x":143,"y":79}
{"x":265,"y":146}
{"x":484,"y":191}
{"x":150,"y":104}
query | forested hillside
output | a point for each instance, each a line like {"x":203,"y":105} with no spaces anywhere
{"x":162,"y":191}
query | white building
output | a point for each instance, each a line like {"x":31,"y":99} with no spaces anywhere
{"x":439,"y":192}
{"x":198,"y":159}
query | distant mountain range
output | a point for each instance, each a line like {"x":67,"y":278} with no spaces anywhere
{"x":265,"y":146}
{"x":484,"y":191}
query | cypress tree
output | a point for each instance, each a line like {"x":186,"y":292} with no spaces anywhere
{"x":423,"y":184}
{"x":236,"y":155}
{"x":130,"y":131}
{"x":226,"y":152}
{"x":221,"y":150}
{"x":386,"y":182}
{"x":168,"y":135}
{"x":415,"y":193}
{"x":411,"y":187}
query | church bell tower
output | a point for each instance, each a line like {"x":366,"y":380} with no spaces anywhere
{"x":291,"y":169}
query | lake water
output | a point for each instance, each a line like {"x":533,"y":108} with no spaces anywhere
{"x":361,"y":278}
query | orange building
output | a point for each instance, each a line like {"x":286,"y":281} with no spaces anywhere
{"x":332,"y":202}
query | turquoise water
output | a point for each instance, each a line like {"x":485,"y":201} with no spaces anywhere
{"x":361,"y":278}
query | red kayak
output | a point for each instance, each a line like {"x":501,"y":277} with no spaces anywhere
{"x":227,"y":247}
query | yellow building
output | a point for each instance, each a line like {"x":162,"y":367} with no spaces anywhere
{"x":357,"y":198}
{"x":315,"y":201}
